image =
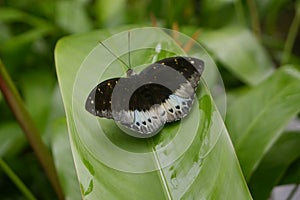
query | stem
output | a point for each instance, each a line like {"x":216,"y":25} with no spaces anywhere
{"x":15,"y":103}
{"x":239,"y":12}
{"x":288,"y":46}
{"x":254,"y":17}
{"x":16,"y":180}
{"x":187,"y":47}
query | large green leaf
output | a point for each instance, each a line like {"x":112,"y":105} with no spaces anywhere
{"x":292,"y":174}
{"x":274,"y":165}
{"x":189,"y":159}
{"x":57,"y":132}
{"x":256,"y":119}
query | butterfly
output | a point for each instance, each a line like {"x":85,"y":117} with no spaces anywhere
{"x":143,"y":103}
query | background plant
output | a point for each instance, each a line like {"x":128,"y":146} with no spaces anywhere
{"x":254,"y":44}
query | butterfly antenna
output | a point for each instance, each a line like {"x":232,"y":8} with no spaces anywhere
{"x":129,"y":50}
{"x":119,"y":59}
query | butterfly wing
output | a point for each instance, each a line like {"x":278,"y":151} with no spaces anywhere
{"x":163,"y":92}
{"x":136,"y":104}
{"x":98,"y":102}
{"x":181,"y":75}
{"x":191,"y":68}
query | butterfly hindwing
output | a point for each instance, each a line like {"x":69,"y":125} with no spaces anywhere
{"x":137,"y":104}
{"x":181,"y":75}
{"x":148,"y":95}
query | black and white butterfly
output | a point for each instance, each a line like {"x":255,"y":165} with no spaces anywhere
{"x":142,"y":103}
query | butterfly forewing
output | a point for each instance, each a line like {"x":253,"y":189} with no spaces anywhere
{"x":190,"y":68}
{"x":98,"y":102}
{"x":181,"y":75}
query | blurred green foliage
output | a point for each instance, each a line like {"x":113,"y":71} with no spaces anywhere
{"x":29,"y":30}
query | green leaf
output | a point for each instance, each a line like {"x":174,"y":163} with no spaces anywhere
{"x":189,"y":159}
{"x":256,"y":119}
{"x":35,"y":26}
{"x":292,"y":175}
{"x":274,"y":165}
{"x":25,"y":38}
{"x":57,"y":132}
{"x":76,"y":21}
{"x":63,"y":159}
{"x":10,"y":15}
{"x":270,"y":12}
{"x":110,"y":13}
{"x":16,"y":43}
{"x":36,"y":88}
{"x":227,"y":10}
{"x":12,"y":139}
{"x":16,"y":180}
{"x":240,"y":52}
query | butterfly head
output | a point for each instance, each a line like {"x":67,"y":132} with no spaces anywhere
{"x":130,"y":72}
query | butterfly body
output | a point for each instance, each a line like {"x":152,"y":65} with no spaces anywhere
{"x":143,"y":103}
